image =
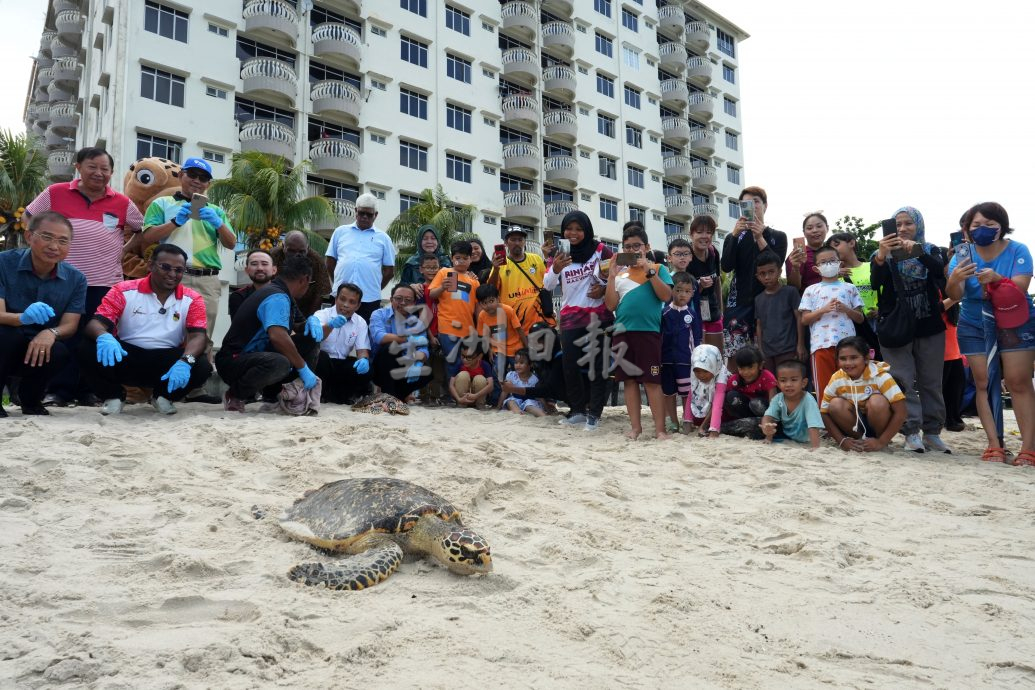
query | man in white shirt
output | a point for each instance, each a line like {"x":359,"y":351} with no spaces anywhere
{"x":346,"y":377}
{"x":363,"y":255}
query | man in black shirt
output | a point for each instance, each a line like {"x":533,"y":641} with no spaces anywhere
{"x":260,"y":268}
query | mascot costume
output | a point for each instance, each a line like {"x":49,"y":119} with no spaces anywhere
{"x":147,"y":179}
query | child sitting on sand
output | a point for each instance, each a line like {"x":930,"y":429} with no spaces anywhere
{"x":522,"y":376}
{"x":708,"y":379}
{"x":472,"y":384}
{"x":863,"y":408}
{"x":793,"y":411}
{"x":748,"y":394}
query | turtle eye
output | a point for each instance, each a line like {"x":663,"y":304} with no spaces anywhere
{"x":145,"y":177}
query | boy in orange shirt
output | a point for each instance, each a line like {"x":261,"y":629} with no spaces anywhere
{"x":453,"y":289}
{"x":500,"y":328}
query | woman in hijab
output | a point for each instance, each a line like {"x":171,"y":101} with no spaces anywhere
{"x":427,"y":243}
{"x":919,"y":280}
{"x":581,"y":274}
{"x":480,"y":263}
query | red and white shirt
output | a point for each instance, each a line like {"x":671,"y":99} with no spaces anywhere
{"x":132,"y":310}
{"x":98,"y":228}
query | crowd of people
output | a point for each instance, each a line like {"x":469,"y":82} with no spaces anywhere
{"x":759,"y":340}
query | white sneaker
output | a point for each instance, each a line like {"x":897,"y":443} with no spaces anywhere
{"x":935,"y":444}
{"x":111,"y":406}
{"x":592,"y":423}
{"x":914,"y":443}
{"x":576,"y":419}
{"x":163,"y":405}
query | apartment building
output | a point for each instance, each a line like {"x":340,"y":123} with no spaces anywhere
{"x":523,"y":109}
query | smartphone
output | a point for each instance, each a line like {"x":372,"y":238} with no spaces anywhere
{"x":747,"y":210}
{"x":889,"y":227}
{"x":499,"y":249}
{"x":197,"y":202}
{"x":799,"y":243}
{"x":563,"y":246}
{"x":959,"y":246}
{"x":626,"y":258}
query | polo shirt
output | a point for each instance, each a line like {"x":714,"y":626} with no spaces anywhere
{"x":98,"y":228}
{"x":196,"y":237}
{"x":360,"y":255}
{"x":64,"y":289}
{"x":340,"y":342}
{"x":132,"y":310}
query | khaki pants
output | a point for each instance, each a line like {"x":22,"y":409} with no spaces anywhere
{"x":464,"y":384}
{"x":210,"y":290}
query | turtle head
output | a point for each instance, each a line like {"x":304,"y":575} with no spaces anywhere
{"x":464,"y":552}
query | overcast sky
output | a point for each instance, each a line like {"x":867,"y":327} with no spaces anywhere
{"x":849,"y":110}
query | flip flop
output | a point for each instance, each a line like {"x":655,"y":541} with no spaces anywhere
{"x":1025,"y":457}
{"x":993,"y":454}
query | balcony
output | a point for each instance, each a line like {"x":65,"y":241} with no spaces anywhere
{"x":334,"y":155}
{"x":41,"y":95}
{"x":63,"y":117}
{"x":336,"y":97}
{"x":702,"y":105}
{"x":561,"y":80}
{"x":62,"y":5}
{"x":707,"y":210}
{"x":559,"y":7}
{"x":521,"y":157}
{"x":556,"y":210}
{"x":59,"y":165}
{"x":45,"y":76}
{"x":267,"y":136}
{"x":46,"y":39}
{"x":60,"y":49}
{"x":66,"y":70}
{"x":331,"y":39}
{"x":675,"y":130}
{"x":705,"y":177}
{"x":523,"y":206}
{"x":57,"y":92}
{"x":521,"y":16}
{"x":55,"y":139}
{"x":672,"y":56}
{"x":270,"y":77}
{"x":699,"y":71}
{"x":560,"y":36}
{"x":674,"y":93}
{"x":69,"y":25}
{"x":678,"y":167}
{"x":671,"y":18}
{"x":698,"y":36}
{"x":679,"y":206}
{"x":344,"y":213}
{"x":702,"y":141}
{"x":562,"y":170}
{"x":521,"y":63}
{"x":38,"y":130}
{"x":44,"y":61}
{"x":271,"y":17}
{"x":521,"y":109}
{"x":561,"y":124}
{"x":40,"y":113}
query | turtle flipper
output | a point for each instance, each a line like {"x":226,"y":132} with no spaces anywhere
{"x":355,"y":572}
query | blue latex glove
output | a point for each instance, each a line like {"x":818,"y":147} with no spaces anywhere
{"x":211,"y":217}
{"x":338,"y":321}
{"x":419,"y":340}
{"x":183,"y":215}
{"x":178,"y":375}
{"x":309,"y":379}
{"x":413,"y":373}
{"x":109,"y":351}
{"x":362,"y":365}
{"x":314,"y":328}
{"x":36,"y":314}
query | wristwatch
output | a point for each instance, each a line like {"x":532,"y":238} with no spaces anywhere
{"x":55,"y":332}
{"x":651,"y":273}
{"x":189,"y":359}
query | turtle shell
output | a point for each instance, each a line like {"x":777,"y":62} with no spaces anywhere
{"x":339,"y":513}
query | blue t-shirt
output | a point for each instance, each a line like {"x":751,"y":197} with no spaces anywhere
{"x":275,"y":310}
{"x":1015,"y":260}
{"x":796,"y":424}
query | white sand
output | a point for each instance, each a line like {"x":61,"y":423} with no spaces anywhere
{"x":131,"y":558}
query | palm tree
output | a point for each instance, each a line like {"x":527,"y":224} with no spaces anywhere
{"x":452,"y":221}
{"x":264,"y":199}
{"x":23,"y":175}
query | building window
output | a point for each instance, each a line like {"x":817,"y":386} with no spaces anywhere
{"x":630,"y":20}
{"x":729,"y":74}
{"x":322,"y":129}
{"x":218,"y":30}
{"x":321,"y":72}
{"x":605,"y":46}
{"x":161,"y":86}
{"x":215,"y":93}
{"x":406,"y":201}
{"x":489,"y":220}
{"x":606,"y":85}
{"x":458,"y":168}
{"x":245,"y":110}
{"x":733,"y":174}
{"x":379,"y":31}
{"x":603,"y":7}
{"x":606,"y":125}
{"x":377,"y":138}
{"x":608,"y":209}
{"x":413,"y":104}
{"x":149,"y":146}
{"x":725,"y":42}
{"x":458,"y":118}
{"x":731,"y":140}
{"x":730,"y":106}
{"x":634,"y":136}
{"x":379,"y":85}
{"x":414,"y":52}
{"x":733,"y":208}
{"x":458,"y":68}
{"x":165,"y":21}
{"x":458,"y":20}
{"x":608,"y":167}
{"x":673,"y":227}
{"x":635,"y":176}
{"x":413,"y":155}
{"x":213,"y":156}
{"x":631,"y":57}
{"x":638,"y":214}
{"x":247,"y":48}
{"x":632,"y":97}
{"x":416,"y":6}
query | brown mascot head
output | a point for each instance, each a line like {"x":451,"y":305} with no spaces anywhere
{"x":147,"y":179}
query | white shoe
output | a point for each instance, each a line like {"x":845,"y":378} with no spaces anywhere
{"x":577,"y":419}
{"x":592,"y":423}
{"x":111,"y":406}
{"x":935,"y":444}
{"x":163,"y":405}
{"x":914,"y":443}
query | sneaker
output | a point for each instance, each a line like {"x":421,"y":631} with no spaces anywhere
{"x":163,"y":405}
{"x":592,"y":423}
{"x":232,"y":404}
{"x":111,"y":406}
{"x":914,"y":443}
{"x":573,"y":419}
{"x":935,"y":444}
{"x":52,"y":400}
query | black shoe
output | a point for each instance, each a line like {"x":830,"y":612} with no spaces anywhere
{"x":90,"y":400}
{"x":3,"y":412}
{"x":37,"y":409}
{"x":52,"y":400}
{"x":205,"y":399}
{"x":958,"y":426}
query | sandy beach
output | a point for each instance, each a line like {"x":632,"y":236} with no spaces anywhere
{"x":132,"y":557}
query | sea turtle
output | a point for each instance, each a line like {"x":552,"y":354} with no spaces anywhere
{"x":377,"y":520}
{"x":381,"y":402}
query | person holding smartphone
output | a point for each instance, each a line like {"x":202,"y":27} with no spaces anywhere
{"x":801,"y":262}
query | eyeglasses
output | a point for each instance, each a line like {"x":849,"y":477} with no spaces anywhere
{"x":365,"y":214}
{"x":680,"y":255}
{"x":402,"y":300}
{"x":47,"y":238}
{"x":197,"y":175}
{"x":633,"y":247}
{"x":169,"y":268}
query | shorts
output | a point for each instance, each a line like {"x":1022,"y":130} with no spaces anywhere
{"x":637,"y":356}
{"x":675,"y":378}
{"x":712,"y":326}
{"x":971,"y":338}
{"x":523,"y":403}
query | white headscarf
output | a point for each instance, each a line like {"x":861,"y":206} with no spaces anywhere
{"x":709,"y":358}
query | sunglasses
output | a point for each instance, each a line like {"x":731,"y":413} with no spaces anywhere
{"x":197,"y":175}
{"x":169,"y":268}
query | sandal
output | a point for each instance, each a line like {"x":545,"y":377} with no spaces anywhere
{"x":1025,"y":457}
{"x":993,"y":454}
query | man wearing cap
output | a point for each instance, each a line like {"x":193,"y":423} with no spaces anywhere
{"x":519,"y":277}
{"x":363,"y":255}
{"x":168,"y":220}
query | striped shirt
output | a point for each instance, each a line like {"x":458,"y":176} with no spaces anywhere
{"x":99,"y":228}
{"x":876,"y":379}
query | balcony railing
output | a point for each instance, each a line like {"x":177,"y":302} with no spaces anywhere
{"x":335,"y":154}
{"x":520,"y":149}
{"x":336,"y":95}
{"x":559,"y":209}
{"x":275,"y":15}
{"x":526,"y":204}
{"x":671,"y":17}
{"x":271,"y":68}
{"x":520,"y":107}
{"x":69,"y":22}
{"x":706,"y":210}
{"x":519,"y":13}
{"x":269,"y":137}
{"x":328,"y":34}
{"x":559,"y":34}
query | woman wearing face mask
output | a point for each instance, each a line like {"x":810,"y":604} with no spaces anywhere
{"x":997,"y":318}
{"x":917,"y":366}
{"x":802,"y":260}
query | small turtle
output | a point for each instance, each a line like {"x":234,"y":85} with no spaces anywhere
{"x":377,"y":520}
{"x":381,"y":402}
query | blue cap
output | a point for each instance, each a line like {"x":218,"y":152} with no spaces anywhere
{"x":199,"y":163}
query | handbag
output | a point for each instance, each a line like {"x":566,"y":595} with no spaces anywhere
{"x":896,"y":328}
{"x":545,"y":296}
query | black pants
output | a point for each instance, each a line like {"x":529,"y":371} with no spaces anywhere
{"x":368,"y":308}
{"x":390,"y":374}
{"x":341,"y":382}
{"x":954,"y":380}
{"x":69,"y":384}
{"x":13,"y":344}
{"x":140,"y":367}
{"x":586,"y":383}
{"x":253,"y":372}
{"x":739,"y":406}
